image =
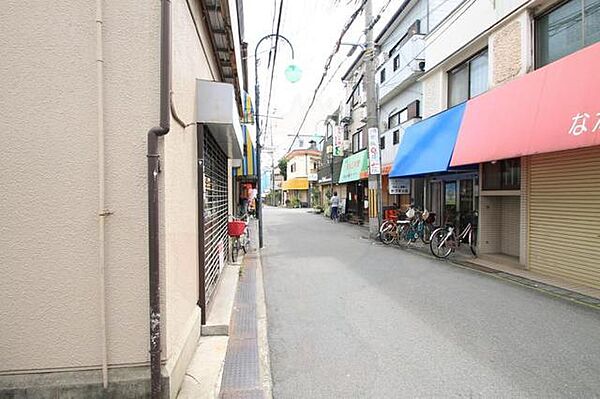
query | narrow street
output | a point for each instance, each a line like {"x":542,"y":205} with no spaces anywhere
{"x":350,"y":318}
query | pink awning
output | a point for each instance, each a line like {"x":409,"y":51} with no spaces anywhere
{"x":552,"y":109}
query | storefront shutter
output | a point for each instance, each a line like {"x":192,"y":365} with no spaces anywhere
{"x":564,"y":233}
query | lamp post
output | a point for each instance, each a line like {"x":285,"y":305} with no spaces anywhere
{"x":293,"y":75}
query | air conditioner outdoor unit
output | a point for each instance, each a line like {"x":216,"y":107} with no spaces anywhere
{"x":417,"y":65}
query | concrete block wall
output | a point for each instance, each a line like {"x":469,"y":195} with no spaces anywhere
{"x":490,"y":214}
{"x":434,"y":94}
{"x":510,"y":225}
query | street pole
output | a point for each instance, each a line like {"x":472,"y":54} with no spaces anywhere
{"x":369,"y":79}
{"x":257,"y":122}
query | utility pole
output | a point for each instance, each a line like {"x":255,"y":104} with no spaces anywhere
{"x":369,"y":79}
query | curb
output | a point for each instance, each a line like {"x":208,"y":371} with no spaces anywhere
{"x":545,"y":288}
{"x":262,"y":330}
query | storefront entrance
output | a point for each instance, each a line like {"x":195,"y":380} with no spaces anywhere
{"x":355,"y":200}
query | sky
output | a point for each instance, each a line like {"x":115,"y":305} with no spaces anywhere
{"x":312,"y":26}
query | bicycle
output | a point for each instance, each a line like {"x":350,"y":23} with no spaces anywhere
{"x":420,"y":227}
{"x":237,"y":229}
{"x":390,"y":230}
{"x":445,"y":240}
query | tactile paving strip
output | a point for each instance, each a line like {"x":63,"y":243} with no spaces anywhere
{"x":241,"y":372}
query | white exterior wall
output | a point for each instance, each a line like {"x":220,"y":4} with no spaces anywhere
{"x":50,"y":297}
{"x":466,"y":23}
{"x":303,"y":165}
{"x":401,"y":101}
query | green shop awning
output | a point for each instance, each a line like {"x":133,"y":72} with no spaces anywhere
{"x":355,"y":167}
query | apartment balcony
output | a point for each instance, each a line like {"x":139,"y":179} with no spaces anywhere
{"x":410,"y":65}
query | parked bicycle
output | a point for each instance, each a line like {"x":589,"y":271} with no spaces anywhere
{"x":237,"y":229}
{"x":447,"y":239}
{"x":420,"y":227}
{"x":415,"y":224}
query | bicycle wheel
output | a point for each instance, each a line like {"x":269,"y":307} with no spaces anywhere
{"x":473,"y":242}
{"x":385,"y":226}
{"x":235,"y":248}
{"x":387,"y":235}
{"x":426,"y":233}
{"x":439,"y":245}
{"x":403,"y":232}
{"x":245,"y":243}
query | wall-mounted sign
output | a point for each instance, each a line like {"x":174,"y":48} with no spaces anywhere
{"x":313,"y":177}
{"x":374,"y":155}
{"x":399,"y":186}
{"x":338,"y":141}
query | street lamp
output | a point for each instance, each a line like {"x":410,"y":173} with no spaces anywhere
{"x":293,"y":74}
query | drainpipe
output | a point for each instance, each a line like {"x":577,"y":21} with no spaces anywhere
{"x":102,"y":211}
{"x":153,"y":209}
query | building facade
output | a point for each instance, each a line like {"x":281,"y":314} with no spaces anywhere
{"x":75,"y":292}
{"x":302,"y":169}
{"x":497,"y":101}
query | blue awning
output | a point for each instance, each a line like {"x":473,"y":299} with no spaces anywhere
{"x":427,"y":146}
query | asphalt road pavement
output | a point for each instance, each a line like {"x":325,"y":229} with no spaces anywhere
{"x":350,"y":318}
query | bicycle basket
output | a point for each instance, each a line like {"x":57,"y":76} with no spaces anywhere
{"x":235,"y":228}
{"x":410,"y":213}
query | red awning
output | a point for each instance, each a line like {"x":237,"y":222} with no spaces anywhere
{"x":552,"y":109}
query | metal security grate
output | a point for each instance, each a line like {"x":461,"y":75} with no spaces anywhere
{"x":215,"y":213}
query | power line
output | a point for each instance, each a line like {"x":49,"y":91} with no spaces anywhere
{"x":274,"y":59}
{"x":327,"y":65}
{"x":336,"y":49}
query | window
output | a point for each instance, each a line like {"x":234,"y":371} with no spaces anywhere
{"x":358,"y":141}
{"x":397,"y":118}
{"x":566,"y":29}
{"x":293,"y":167}
{"x":382,"y":142}
{"x":382,"y":76}
{"x":355,"y":142}
{"x":396,"y":136}
{"x":502,"y":175}
{"x":346,"y":132}
{"x":396,"y":62}
{"x":468,"y":79}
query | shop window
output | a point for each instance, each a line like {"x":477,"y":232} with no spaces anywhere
{"x":565,"y":29}
{"x":382,"y":142}
{"x":396,"y":137}
{"x":382,"y":76}
{"x":468,"y":79}
{"x":502,"y":175}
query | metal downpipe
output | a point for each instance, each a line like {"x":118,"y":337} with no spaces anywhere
{"x":153,"y":157}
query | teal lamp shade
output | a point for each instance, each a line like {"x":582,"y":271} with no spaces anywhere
{"x":293,"y":73}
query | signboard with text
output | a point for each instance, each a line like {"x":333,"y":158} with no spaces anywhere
{"x":399,"y":186}
{"x":338,"y":141}
{"x":374,"y":154}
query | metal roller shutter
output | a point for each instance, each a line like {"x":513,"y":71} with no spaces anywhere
{"x":215,"y":213}
{"x":564,"y":215}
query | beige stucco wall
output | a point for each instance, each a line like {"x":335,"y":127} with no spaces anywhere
{"x":180,"y":179}
{"x":49,"y":293}
{"x":49,"y":241}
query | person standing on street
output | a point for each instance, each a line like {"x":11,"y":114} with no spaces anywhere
{"x":335,"y":204}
